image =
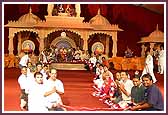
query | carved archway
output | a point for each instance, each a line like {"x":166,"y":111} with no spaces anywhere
{"x":21,"y":37}
{"x":65,"y":40}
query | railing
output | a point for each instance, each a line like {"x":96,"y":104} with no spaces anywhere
{"x":122,"y":63}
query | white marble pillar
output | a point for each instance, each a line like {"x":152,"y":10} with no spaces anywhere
{"x":84,"y":36}
{"x":78,"y":10}
{"x":143,"y":50}
{"x":19,"y":47}
{"x":50,"y":9}
{"x":85,"y":45}
{"x":114,"y":50}
{"x":151,"y":48}
{"x":41,"y":47}
{"x":107,"y":46}
{"x":10,"y":46}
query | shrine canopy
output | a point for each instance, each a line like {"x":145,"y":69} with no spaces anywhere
{"x":156,"y":36}
{"x":26,"y":20}
{"x":99,"y":22}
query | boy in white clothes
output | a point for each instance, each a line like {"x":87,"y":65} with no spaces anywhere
{"x":99,"y":80}
{"x":45,"y":71}
{"x":39,"y":68}
{"x":36,"y":99}
{"x":54,"y":88}
{"x":25,"y":59}
{"x":23,"y":81}
{"x":93,"y":60}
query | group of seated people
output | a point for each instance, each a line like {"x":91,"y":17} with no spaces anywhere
{"x":63,"y":55}
{"x":41,"y":90}
{"x":39,"y":87}
{"x":122,"y":92}
{"x":91,"y":63}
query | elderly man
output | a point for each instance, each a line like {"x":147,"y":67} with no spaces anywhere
{"x":54,"y":88}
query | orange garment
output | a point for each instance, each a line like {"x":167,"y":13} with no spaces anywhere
{"x":106,"y":63}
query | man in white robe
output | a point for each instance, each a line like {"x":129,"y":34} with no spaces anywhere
{"x":149,"y":66}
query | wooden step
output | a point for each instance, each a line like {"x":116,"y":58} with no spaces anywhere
{"x":68,"y":66}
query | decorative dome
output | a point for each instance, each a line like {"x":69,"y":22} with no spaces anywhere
{"x":155,"y":36}
{"x":99,"y":20}
{"x":157,"y":33}
{"x":29,"y":18}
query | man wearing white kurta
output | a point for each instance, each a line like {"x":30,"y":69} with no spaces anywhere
{"x":149,"y":66}
{"x":24,"y":60}
{"x":125,"y":86}
{"x":23,"y":80}
{"x":93,"y":60}
{"x":161,"y":61}
{"x":53,"y":88}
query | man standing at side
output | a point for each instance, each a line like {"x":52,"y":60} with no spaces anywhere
{"x":149,"y":66}
{"x":161,"y":60}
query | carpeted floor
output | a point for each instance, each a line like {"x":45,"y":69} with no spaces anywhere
{"x":77,"y":84}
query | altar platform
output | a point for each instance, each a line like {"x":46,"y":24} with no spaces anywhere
{"x":68,"y":66}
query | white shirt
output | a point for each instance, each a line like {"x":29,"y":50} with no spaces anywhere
{"x":36,"y":99}
{"x":24,"y":60}
{"x":44,"y":75}
{"x":128,"y":84}
{"x":30,"y":77}
{"x":23,"y":80}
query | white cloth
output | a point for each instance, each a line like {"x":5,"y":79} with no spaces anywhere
{"x":24,"y":60}
{"x":78,"y":52}
{"x":93,"y":61}
{"x":45,"y":60}
{"x":98,"y":82}
{"x":77,"y":56}
{"x":83,"y":56}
